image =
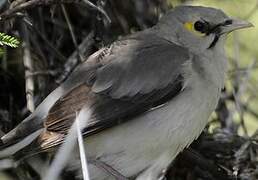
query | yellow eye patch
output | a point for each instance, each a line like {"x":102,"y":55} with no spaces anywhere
{"x":190,"y":27}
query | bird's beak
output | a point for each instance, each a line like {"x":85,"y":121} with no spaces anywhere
{"x":234,"y":24}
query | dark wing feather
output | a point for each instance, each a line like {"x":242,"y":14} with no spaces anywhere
{"x":139,"y":66}
{"x":126,"y":79}
{"x":61,"y":115}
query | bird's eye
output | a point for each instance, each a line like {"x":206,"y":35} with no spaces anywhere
{"x":201,"y":26}
{"x":228,"y":22}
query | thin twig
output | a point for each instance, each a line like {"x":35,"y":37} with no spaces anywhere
{"x":28,"y":70}
{"x":10,"y":13}
{"x":98,"y":9}
{"x":42,"y":73}
{"x":50,"y":46}
{"x":71,"y":31}
{"x":82,"y":151}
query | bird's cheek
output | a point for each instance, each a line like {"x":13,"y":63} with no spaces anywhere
{"x":192,"y":42}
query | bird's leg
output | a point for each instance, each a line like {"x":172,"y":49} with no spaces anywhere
{"x":102,"y":165}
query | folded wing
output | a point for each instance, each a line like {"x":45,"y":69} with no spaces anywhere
{"x":120,"y":82}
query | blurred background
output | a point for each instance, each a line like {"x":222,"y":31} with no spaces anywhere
{"x":55,"y":38}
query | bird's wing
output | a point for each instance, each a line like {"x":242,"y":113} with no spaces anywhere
{"x":120,"y":82}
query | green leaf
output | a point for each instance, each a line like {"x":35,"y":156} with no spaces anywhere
{"x":8,"y":40}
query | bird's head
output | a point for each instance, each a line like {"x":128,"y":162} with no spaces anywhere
{"x":198,"y":28}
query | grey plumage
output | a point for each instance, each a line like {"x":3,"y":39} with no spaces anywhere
{"x":139,"y":65}
{"x":150,"y":94}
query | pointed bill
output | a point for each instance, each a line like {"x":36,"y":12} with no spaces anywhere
{"x":235,"y":25}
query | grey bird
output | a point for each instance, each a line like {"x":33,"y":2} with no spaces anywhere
{"x":150,"y":93}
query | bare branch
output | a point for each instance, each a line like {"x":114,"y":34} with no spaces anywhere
{"x":28,"y":70}
{"x":10,"y":13}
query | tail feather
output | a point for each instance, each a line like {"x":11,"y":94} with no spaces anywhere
{"x":21,"y":136}
{"x":44,"y":142}
{"x":10,"y":148}
{"x":25,"y":128}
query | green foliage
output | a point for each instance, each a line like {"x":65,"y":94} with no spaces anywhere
{"x":8,"y":40}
